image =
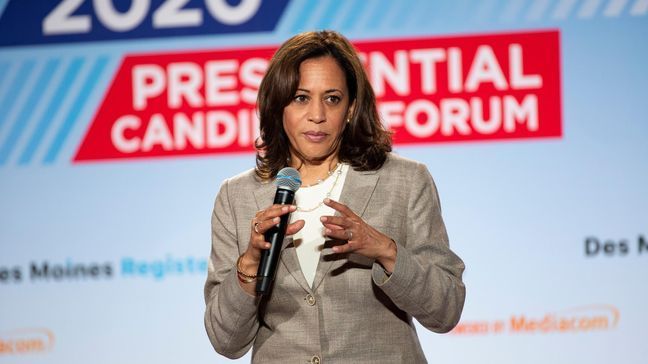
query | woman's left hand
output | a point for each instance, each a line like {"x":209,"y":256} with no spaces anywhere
{"x":361,"y":238}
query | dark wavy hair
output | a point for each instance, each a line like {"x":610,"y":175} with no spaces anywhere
{"x":364,"y":143}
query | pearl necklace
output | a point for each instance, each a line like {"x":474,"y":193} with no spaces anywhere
{"x":338,"y":172}
{"x":320,"y":180}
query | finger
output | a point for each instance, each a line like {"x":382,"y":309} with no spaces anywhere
{"x":258,"y":242}
{"x":337,"y":220}
{"x":341,"y":249}
{"x":341,"y":208}
{"x":333,"y":227}
{"x":260,"y":227}
{"x":275,"y":211}
{"x":340,"y":234}
{"x":266,"y":219}
{"x":295,"y":227}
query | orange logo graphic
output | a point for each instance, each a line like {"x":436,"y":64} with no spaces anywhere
{"x":26,"y":341}
{"x":578,"y":319}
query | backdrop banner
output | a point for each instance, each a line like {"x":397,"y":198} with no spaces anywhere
{"x":120,"y":119}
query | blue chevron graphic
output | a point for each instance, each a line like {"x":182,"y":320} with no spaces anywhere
{"x":43,"y":125}
{"x":78,"y":104}
{"x":23,"y":117}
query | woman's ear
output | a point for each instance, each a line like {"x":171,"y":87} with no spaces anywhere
{"x":350,"y":112}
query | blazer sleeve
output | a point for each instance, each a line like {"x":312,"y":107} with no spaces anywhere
{"x":230,"y":313}
{"x":426,"y":281}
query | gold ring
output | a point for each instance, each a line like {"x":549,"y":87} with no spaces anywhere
{"x":255,"y":228}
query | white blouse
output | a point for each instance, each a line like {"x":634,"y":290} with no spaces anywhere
{"x":309,"y":241}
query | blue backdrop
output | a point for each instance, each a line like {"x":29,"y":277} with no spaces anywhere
{"x":104,"y":262}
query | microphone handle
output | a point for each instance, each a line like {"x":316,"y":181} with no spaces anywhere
{"x":275,"y":236}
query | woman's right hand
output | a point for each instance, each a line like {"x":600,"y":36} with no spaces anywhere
{"x":263,"y":221}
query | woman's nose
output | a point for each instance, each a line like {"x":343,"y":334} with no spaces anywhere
{"x":316,"y":112}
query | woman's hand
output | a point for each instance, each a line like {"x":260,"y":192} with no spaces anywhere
{"x":263,"y":221}
{"x":361,"y":238}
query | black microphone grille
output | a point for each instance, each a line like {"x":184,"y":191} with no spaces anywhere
{"x":288,"y":178}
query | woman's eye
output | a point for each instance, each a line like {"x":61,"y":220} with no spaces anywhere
{"x":300,"y":98}
{"x":333,"y":99}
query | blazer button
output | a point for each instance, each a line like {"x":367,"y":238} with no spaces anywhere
{"x":315,"y":360}
{"x":310,"y":300}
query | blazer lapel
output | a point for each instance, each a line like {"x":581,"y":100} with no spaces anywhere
{"x":264,"y":196}
{"x":290,"y":260}
{"x":356,"y":193}
{"x":358,"y":189}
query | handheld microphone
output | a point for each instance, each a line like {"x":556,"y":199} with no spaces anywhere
{"x":288,"y":182}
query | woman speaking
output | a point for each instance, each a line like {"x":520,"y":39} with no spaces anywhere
{"x":366,"y":249}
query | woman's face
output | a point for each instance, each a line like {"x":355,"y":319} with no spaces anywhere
{"x":315,"y":118}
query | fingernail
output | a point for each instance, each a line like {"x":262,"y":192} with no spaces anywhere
{"x":327,"y":200}
{"x":276,"y":220}
{"x":293,"y":207}
{"x":336,"y":249}
{"x":328,"y":231}
{"x":268,"y":245}
{"x":284,"y":209}
{"x":323,"y":219}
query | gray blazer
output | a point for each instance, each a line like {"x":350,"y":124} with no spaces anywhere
{"x":354,"y":313}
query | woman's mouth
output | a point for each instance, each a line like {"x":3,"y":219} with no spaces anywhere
{"x":315,"y":136}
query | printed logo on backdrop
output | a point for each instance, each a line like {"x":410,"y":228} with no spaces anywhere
{"x":591,"y":318}
{"x":128,"y":267}
{"x":26,"y":341}
{"x":43,"y":22}
{"x":614,"y":247}
{"x":430,"y":90}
